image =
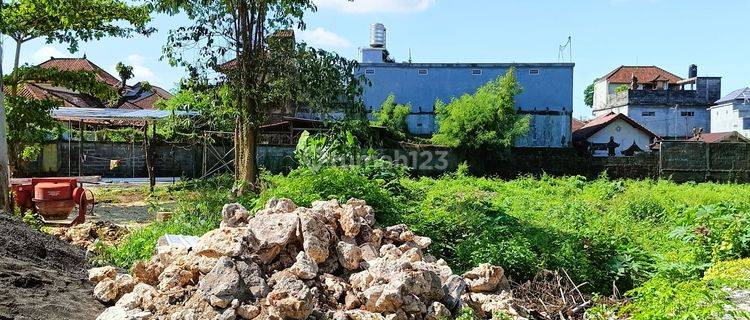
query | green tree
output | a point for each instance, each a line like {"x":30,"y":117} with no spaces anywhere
{"x":61,"y":21}
{"x":213,"y":105}
{"x":486,"y":119}
{"x":588,"y":95}
{"x":268,"y":71}
{"x":30,"y":119}
{"x":71,"y":21}
{"x":393,"y":116}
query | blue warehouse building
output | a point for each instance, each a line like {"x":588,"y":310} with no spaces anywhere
{"x":547,"y":90}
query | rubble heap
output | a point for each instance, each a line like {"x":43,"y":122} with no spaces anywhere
{"x":86,"y":235}
{"x":328,"y":261}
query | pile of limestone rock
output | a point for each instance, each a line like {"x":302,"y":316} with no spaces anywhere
{"x":327,"y":261}
{"x":87,"y":235}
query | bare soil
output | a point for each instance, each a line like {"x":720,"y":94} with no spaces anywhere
{"x":42,"y":277}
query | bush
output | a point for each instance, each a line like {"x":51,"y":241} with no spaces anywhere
{"x":718,"y":232}
{"x":392,"y":116}
{"x":735,"y":273}
{"x":662,"y":298}
{"x":485,"y":120}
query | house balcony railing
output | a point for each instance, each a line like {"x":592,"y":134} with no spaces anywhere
{"x":658,"y":97}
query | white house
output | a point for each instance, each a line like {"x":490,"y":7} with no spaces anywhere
{"x":732,"y":113}
{"x":614,"y":134}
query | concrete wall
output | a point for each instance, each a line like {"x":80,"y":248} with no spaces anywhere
{"x":668,"y":122}
{"x":733,"y":116}
{"x":601,"y":93}
{"x":548,"y":92}
{"x":698,"y":161}
{"x":624,"y":134}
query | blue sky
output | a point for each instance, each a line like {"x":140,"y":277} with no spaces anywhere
{"x":606,"y":33}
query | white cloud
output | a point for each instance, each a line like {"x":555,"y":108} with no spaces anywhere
{"x":46,"y":52}
{"x":140,"y":71}
{"x":369,"y":6}
{"x":322,"y":38}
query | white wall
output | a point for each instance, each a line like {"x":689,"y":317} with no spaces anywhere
{"x":624,"y":134}
{"x":600,"y":94}
{"x":730,"y":117}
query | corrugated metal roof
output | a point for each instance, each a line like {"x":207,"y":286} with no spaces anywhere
{"x":66,"y":113}
{"x":739,"y":94}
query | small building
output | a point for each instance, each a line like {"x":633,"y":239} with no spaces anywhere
{"x":732,"y":113}
{"x":666,"y":104}
{"x":547,"y":90}
{"x":613,"y":134}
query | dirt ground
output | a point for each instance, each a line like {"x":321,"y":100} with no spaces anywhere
{"x":42,"y":277}
{"x":125,"y":205}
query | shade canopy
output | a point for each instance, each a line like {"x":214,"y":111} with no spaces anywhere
{"x":103,"y":114}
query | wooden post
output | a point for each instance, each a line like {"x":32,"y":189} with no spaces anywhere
{"x":149,"y":154}
{"x":80,"y":148}
{"x":4,"y":161}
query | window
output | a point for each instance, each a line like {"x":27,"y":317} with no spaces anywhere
{"x":534,"y":72}
{"x":648,"y":113}
{"x":422,"y":72}
{"x":369,"y":71}
{"x":687,"y":113}
{"x":745,"y":123}
{"x":476,"y":72}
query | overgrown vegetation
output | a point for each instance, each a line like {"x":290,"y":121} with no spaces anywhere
{"x":392,"y":116}
{"x":485,"y":120}
{"x":671,"y":252}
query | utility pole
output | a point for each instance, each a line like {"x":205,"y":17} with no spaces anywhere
{"x":4,"y":163}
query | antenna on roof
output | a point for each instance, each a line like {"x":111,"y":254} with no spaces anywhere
{"x":567,"y":45}
{"x":410,"y":55}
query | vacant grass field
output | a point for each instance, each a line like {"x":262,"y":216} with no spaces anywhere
{"x":652,"y":241}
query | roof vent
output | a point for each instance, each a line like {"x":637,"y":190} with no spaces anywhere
{"x":377,"y":35}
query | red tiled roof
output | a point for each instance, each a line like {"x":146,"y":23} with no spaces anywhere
{"x":716,"y":137}
{"x":576,"y":124}
{"x":81,"y":64}
{"x":601,"y":122}
{"x":645,"y":74}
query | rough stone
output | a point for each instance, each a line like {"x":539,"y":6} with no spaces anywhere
{"x":304,"y":267}
{"x":315,"y":234}
{"x":486,"y":278}
{"x":106,"y":290}
{"x":99,"y":274}
{"x":273,"y":232}
{"x":291,"y":299}
{"x":349,"y":255}
{"x":453,"y":289}
{"x":248,"y":311}
{"x":231,"y":242}
{"x":142,"y":297}
{"x":233,"y":215}
{"x":437,"y":311}
{"x":228,"y":281}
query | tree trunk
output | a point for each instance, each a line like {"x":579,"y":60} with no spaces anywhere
{"x":246,"y":151}
{"x":16,"y":59}
{"x":148,"y":151}
{"x":4,"y":163}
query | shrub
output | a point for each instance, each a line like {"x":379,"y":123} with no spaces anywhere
{"x":718,"y":232}
{"x":735,"y":273}
{"x":485,"y":120}
{"x":392,"y":116}
{"x":662,"y":298}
